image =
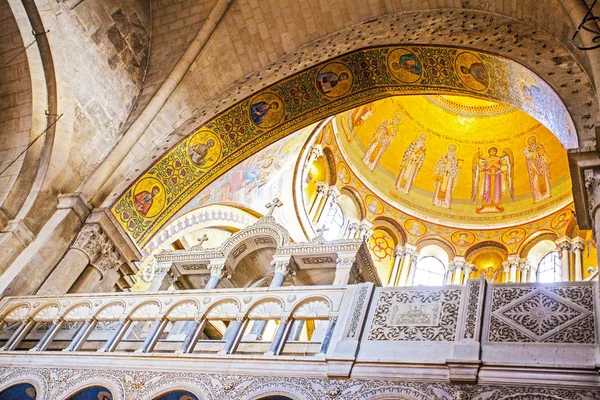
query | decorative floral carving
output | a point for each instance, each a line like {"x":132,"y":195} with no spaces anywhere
{"x":313,"y":309}
{"x":559,"y":314}
{"x":445,"y":330}
{"x":358,"y":310}
{"x":473,"y":311}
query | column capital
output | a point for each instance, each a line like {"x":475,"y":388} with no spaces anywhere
{"x":345,"y":261}
{"x":218,"y":270}
{"x":109,"y":259}
{"x":592,"y":187}
{"x":505,"y":267}
{"x":564,"y":243}
{"x":514,"y":260}
{"x":399,"y":251}
{"x":524,"y":265}
{"x":316,"y":151}
{"x":322,"y":188}
{"x":458,"y":262}
{"x":578,"y":244}
{"x":282,"y":266}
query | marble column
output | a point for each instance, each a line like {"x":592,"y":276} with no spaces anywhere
{"x":160,"y":280}
{"x":218,"y":271}
{"x":160,"y":323}
{"x":280,"y":337}
{"x":49,"y":336}
{"x":343,"y":269}
{"x":449,"y":273}
{"x":112,"y":343}
{"x":564,"y":253}
{"x":459,"y":264}
{"x":365,"y":230}
{"x":578,"y":246}
{"x":192,"y":337}
{"x":82,"y":334}
{"x":20,"y":334}
{"x":468,"y":268}
{"x":506,"y":270}
{"x":352,"y":230}
{"x":406,"y":265}
{"x":232,"y":335}
{"x":414,"y":256}
{"x":525,"y":270}
{"x":328,"y":335}
{"x":313,"y":212}
{"x":89,"y":281}
{"x":395,"y":271}
{"x":514,"y":263}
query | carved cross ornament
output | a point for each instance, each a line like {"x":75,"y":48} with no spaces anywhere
{"x":272,"y":205}
{"x":201,"y":241}
{"x":321,"y":231}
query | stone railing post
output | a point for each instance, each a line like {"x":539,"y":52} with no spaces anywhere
{"x":233,"y":335}
{"x":328,"y":335}
{"x":160,"y":323}
{"x":192,"y":337}
{"x":465,"y":362}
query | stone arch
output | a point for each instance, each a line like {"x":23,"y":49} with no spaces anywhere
{"x":226,"y":308}
{"x":143,"y":311}
{"x":106,"y":309}
{"x":177,"y":385}
{"x":141,"y":236}
{"x":487,"y":245}
{"x":33,"y":378}
{"x":267,"y":304}
{"x":534,"y":239}
{"x":78,"y":311}
{"x":355,"y":197}
{"x":18,"y":312}
{"x":392,"y":227}
{"x":47,"y":312}
{"x":330,"y":161}
{"x":181,"y":309}
{"x":108,"y":382}
{"x":308,"y":300}
{"x":439,"y":242}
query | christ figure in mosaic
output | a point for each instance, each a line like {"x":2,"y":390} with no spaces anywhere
{"x":380,"y":141}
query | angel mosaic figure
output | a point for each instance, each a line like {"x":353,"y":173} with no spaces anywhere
{"x":492,"y":179}
{"x":411,"y":164}
{"x":380,"y":141}
{"x":538,"y":169}
{"x":445,"y":177}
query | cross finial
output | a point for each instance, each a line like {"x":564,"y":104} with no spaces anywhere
{"x":201,"y":240}
{"x":321,"y":231}
{"x":272,"y":205}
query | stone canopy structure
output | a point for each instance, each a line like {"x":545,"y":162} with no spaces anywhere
{"x":215,"y":199}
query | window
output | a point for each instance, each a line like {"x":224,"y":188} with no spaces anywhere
{"x":334,"y":222}
{"x":429,"y":271}
{"x":549,"y":268}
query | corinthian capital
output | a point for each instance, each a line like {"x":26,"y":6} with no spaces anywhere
{"x":218,"y":270}
{"x":592,"y":186}
{"x":109,"y":259}
{"x":92,"y":241}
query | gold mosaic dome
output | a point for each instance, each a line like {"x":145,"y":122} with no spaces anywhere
{"x":455,"y":160}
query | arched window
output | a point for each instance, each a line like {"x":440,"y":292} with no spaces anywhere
{"x":429,"y":271}
{"x":548,"y":269}
{"x":334,"y":221}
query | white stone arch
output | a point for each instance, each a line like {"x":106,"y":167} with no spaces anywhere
{"x":178,"y":385}
{"x":71,"y":388}
{"x":77,"y":312}
{"x":33,"y":378}
{"x":307,"y":300}
{"x":181,"y":309}
{"x":227,"y":308}
{"x":273,"y":390}
{"x":146,"y":310}
{"x":18,"y":312}
{"x":47,"y":312}
{"x":105,"y":310}
{"x":265,"y":307}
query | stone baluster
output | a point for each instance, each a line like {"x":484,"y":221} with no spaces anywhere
{"x":160,"y":323}
{"x":332,"y":195}
{"x":395,"y":271}
{"x":22,"y":331}
{"x":564,"y":253}
{"x":112,"y":343}
{"x":328,"y":335}
{"x":280,"y":337}
{"x":459,"y":264}
{"x":82,"y":334}
{"x":514,"y":263}
{"x":49,"y":336}
{"x":192,"y":337}
{"x":232,"y":335}
{"x":218,"y":271}
{"x":315,"y":207}
{"x":297,"y":327}
{"x":578,"y":246}
{"x":405,"y":267}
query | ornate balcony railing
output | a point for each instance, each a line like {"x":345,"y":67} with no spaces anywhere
{"x":463,"y":333}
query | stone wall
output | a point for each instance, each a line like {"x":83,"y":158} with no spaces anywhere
{"x":15,"y":99}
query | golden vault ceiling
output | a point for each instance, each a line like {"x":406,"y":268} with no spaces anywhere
{"x":455,"y":160}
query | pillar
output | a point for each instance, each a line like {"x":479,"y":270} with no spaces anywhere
{"x":89,"y":280}
{"x":406,"y":265}
{"x":160,"y":323}
{"x":20,"y":334}
{"x":413,"y":256}
{"x":281,"y":271}
{"x":514,"y":264}
{"x":365,"y":230}
{"x":297,"y":327}
{"x":232,"y":335}
{"x":506,"y":270}
{"x":160,"y":279}
{"x":578,"y":246}
{"x":395,"y":271}
{"x":564,"y":253}
{"x":459,"y":263}
{"x":592,"y":187}
{"x":352,"y":230}
{"x":343,"y":269}
{"x":217,"y":273}
{"x":328,"y":336}
{"x":86,"y":329}
{"x":49,"y":336}
{"x":449,"y":273}
{"x":113,"y":341}
{"x":280,"y":337}
{"x":315,"y":152}
{"x":192,"y":337}
{"x":313,"y":212}
{"x":468,"y":268}
{"x":525,"y":270}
